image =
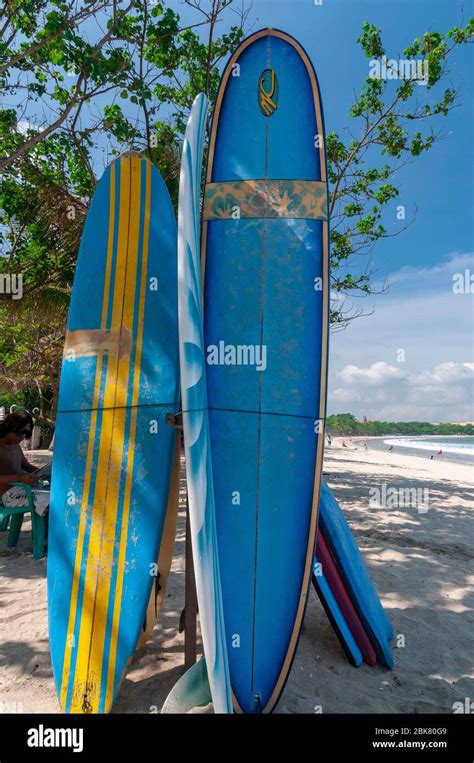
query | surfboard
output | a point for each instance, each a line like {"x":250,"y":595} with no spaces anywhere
{"x":113,"y":450}
{"x":199,"y":473}
{"x":266,"y":286}
{"x":341,"y":595}
{"x":334,"y":613}
{"x":351,"y":565}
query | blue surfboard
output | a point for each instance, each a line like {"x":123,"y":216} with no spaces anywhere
{"x":266,"y":316}
{"x":113,"y":451}
{"x":351,"y":565}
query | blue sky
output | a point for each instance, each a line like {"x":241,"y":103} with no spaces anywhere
{"x":432,"y":379}
{"x":329,"y":33}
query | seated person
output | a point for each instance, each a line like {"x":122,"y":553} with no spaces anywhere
{"x":14,"y":466}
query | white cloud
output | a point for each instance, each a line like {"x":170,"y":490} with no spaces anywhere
{"x":437,"y":278}
{"x":377,"y":373}
{"x":24,"y":126}
{"x":444,"y":373}
{"x":433,"y":326}
{"x":388,"y":393}
{"x":345,"y":395}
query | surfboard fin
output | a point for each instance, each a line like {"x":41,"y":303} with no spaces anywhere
{"x":192,"y":690}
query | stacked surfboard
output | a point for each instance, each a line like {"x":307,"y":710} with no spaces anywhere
{"x":346,"y":591}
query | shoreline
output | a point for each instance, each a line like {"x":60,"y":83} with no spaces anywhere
{"x":377,"y":442}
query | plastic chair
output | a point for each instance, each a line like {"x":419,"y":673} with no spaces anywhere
{"x":14,"y":515}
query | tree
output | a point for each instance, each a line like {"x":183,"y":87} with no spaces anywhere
{"x":29,"y":369}
{"x":86,"y":79}
{"x":342,"y":423}
{"x":394,"y":124}
{"x":347,"y":424}
{"x":44,"y":44}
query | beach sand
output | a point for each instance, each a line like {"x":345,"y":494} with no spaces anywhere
{"x":421,"y":563}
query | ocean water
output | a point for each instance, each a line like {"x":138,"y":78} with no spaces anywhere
{"x":455,"y":448}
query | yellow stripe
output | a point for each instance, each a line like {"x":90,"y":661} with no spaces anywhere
{"x":131,"y":448}
{"x":102,"y":533}
{"x":90,"y":452}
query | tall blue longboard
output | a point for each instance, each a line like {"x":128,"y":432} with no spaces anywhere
{"x":113,"y":452}
{"x":266,"y":315}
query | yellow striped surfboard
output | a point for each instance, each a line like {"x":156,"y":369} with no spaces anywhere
{"x":114,"y":453}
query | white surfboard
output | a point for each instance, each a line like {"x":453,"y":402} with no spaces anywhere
{"x":195,"y":421}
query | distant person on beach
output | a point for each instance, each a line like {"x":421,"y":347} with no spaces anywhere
{"x":329,"y":439}
{"x":344,"y":444}
{"x":390,"y":448}
{"x":439,"y":453}
{"x":15,"y":467}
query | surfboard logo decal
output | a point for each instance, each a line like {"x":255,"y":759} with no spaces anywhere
{"x":268,"y":92}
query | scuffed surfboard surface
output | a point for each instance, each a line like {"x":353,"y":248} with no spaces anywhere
{"x":266,"y":314}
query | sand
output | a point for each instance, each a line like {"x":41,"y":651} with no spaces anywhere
{"x":420,"y":561}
